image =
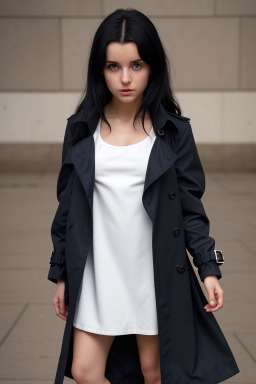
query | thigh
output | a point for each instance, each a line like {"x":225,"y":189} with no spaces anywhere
{"x":148,"y":347}
{"x":90,"y":351}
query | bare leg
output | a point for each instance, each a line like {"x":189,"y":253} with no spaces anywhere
{"x":90,"y":352}
{"x":148,"y":346}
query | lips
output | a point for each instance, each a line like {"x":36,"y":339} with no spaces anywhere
{"x":126,"y":90}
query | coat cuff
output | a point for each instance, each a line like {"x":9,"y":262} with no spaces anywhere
{"x":203,"y":257}
{"x":209,"y":268}
{"x":57,"y":258}
{"x":57,"y":272}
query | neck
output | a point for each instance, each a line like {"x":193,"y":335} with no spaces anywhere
{"x":115,"y":109}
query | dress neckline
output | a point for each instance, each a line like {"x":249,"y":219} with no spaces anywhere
{"x":122,"y":146}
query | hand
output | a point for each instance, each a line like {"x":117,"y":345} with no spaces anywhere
{"x":215,"y":293}
{"x":59,"y":300}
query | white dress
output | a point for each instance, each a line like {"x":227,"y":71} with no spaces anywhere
{"x":117,"y":294}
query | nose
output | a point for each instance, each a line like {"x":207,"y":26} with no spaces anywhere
{"x":126,"y":76}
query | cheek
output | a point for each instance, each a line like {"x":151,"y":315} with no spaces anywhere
{"x":143,"y":79}
{"x":109,"y":79}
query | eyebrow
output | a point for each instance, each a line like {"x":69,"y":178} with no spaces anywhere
{"x":116,"y":62}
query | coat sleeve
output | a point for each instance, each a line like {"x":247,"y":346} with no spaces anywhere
{"x":191,"y":181}
{"x":67,"y":139}
{"x":57,"y":269}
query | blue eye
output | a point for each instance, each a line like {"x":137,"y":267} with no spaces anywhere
{"x":138,"y":64}
{"x":110,"y":66}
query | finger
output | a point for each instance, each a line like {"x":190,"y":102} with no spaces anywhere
{"x":65,"y":314}
{"x":62,"y":306}
{"x":212,"y":299}
{"x":214,"y":309}
{"x":220,"y":299}
{"x":56,"y":306}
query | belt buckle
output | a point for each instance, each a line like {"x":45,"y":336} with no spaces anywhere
{"x":219,"y":256}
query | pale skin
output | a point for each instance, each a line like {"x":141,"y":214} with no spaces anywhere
{"x":123,"y":69}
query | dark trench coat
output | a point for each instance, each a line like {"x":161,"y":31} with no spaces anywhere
{"x":192,"y":347}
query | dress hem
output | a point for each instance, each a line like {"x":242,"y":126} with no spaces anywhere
{"x":115,"y":333}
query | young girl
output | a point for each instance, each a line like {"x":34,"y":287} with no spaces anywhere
{"x":129,"y":193}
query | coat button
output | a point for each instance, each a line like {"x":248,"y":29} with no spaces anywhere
{"x":176,"y":232}
{"x":180,"y":268}
{"x":171,"y":195}
{"x":160,"y":132}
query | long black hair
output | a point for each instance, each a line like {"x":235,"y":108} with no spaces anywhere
{"x":129,"y":25}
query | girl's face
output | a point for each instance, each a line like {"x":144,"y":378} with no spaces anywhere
{"x":124,"y":69}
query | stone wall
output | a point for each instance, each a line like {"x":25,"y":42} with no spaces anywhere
{"x":45,"y":45}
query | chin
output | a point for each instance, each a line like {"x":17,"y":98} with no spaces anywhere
{"x":125,"y":99}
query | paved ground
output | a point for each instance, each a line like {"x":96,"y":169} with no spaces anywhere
{"x":31,"y":333}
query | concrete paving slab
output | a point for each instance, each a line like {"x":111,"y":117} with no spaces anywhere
{"x":244,"y":361}
{"x":248,"y":340}
{"x":23,"y":260}
{"x":29,"y":360}
{"x":237,"y":211}
{"x":228,"y":229}
{"x":239,"y":287}
{"x":33,"y":344}
{"x":26,"y":242}
{"x":10,"y":314}
{"x":28,"y":381}
{"x":250,"y":245}
{"x":22,"y":286}
{"x":236,"y":316}
{"x":235,"y":182}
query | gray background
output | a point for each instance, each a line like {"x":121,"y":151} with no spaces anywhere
{"x":44,"y":49}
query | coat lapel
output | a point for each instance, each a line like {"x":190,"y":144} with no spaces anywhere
{"x":162,"y":156}
{"x":82,"y":155}
{"x":160,"y":159}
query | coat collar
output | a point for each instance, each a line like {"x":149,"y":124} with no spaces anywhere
{"x":162,"y":155}
{"x":159,"y":118}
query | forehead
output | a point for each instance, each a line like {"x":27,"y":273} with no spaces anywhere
{"x":122,"y":52}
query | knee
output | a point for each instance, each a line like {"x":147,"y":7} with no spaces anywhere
{"x":82,"y":375}
{"x":151,"y":372}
